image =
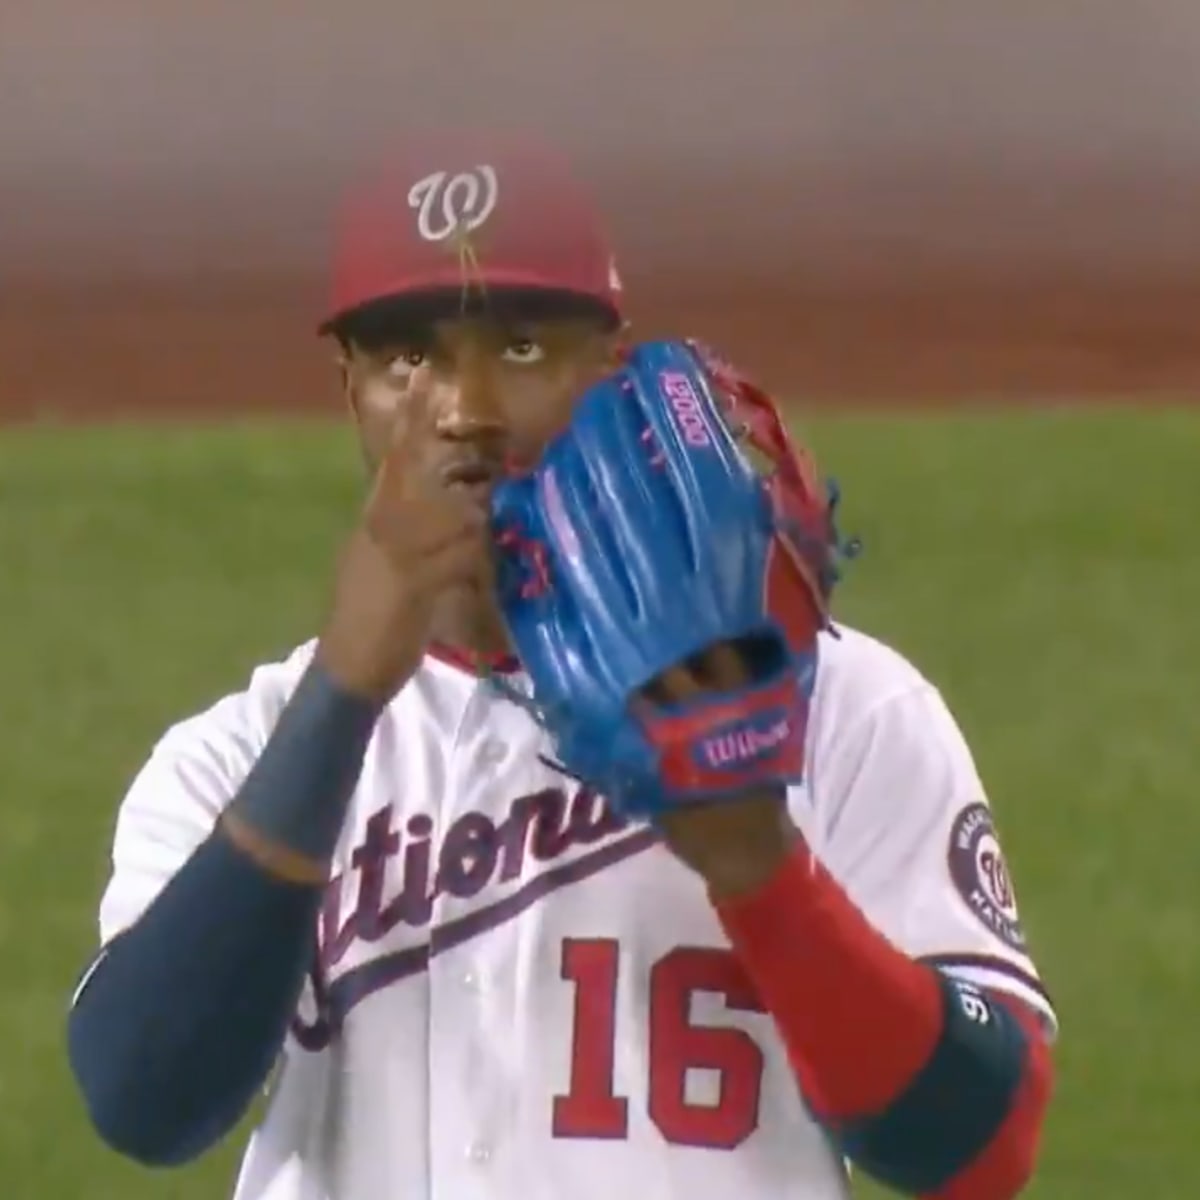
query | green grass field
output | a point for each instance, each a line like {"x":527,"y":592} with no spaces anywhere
{"x":1042,"y":567}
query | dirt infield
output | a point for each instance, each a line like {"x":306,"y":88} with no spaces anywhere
{"x":206,"y":349}
{"x":860,"y":202}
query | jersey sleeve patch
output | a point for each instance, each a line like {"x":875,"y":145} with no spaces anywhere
{"x":981,"y":876}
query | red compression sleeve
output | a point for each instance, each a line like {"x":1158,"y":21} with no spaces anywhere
{"x":860,"y":1020}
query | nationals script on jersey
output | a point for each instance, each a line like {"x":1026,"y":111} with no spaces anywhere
{"x":517,"y":995}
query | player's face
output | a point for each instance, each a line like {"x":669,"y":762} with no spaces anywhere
{"x":499,"y":391}
{"x":503,"y":387}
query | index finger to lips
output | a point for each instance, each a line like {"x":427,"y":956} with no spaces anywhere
{"x":411,"y":465}
{"x":414,"y":423}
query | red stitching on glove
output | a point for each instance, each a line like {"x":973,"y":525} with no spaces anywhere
{"x":532,"y":554}
{"x":658,"y":456}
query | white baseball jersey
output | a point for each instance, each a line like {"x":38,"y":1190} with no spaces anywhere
{"x":520,"y":996}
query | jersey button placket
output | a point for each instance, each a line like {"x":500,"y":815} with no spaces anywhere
{"x":466,"y":1106}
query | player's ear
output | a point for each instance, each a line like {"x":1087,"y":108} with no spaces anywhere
{"x":343,"y":362}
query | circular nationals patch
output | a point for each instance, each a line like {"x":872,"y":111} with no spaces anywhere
{"x":981,"y":876}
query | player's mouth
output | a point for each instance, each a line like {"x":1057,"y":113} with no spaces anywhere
{"x":476,"y":477}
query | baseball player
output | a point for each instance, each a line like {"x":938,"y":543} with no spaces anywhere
{"x":366,"y":885}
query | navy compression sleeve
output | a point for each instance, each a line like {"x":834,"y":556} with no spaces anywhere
{"x":182,"y":1016}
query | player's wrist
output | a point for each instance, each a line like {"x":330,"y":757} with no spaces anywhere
{"x":353,"y":670}
{"x":279,"y":861}
{"x":744,"y":875}
{"x":737,"y":848}
{"x":289,"y":811}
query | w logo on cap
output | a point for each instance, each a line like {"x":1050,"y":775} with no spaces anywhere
{"x":453,"y":204}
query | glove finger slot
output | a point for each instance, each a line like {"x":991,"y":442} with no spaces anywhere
{"x":590,"y":567}
{"x":543,"y":622}
{"x":603,"y":554}
{"x":722,"y":667}
{"x":714,"y":479}
{"x":638,"y":507}
{"x":726,"y":513}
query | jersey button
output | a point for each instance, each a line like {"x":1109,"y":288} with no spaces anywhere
{"x":492,"y":753}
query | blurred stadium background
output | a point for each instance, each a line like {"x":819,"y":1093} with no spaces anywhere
{"x":905,"y":219}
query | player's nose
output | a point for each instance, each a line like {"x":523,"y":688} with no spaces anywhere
{"x":469,"y":406}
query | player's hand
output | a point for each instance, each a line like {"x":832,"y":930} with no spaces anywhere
{"x":423,"y":529}
{"x":735,"y":845}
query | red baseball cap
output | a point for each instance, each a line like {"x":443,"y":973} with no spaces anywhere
{"x":463,"y":213}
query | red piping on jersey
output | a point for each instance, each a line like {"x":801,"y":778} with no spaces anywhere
{"x":471,"y":662}
{"x":859,"y":1018}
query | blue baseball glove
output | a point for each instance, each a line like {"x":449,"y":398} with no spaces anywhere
{"x":646,"y":538}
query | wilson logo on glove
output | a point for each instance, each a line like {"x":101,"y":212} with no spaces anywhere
{"x":744,"y":742}
{"x":626,"y":560}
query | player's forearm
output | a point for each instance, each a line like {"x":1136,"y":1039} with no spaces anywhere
{"x":182,"y":1018}
{"x":936,"y":1092}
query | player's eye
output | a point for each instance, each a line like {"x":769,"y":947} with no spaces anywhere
{"x":524,"y":351}
{"x":401,"y":365}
